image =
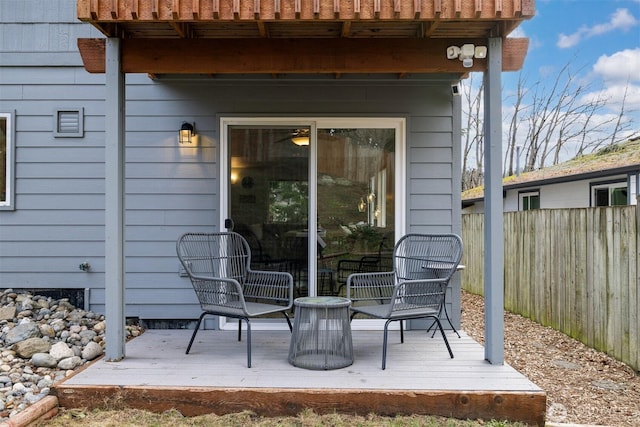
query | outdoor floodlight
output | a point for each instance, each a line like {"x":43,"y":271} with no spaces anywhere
{"x":466,"y":53}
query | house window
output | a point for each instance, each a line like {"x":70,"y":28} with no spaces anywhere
{"x":6,"y":161}
{"x":529,"y":200}
{"x":613,"y":194}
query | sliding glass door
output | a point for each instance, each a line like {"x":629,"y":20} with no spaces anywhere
{"x":315,"y":197}
{"x":356,"y":176}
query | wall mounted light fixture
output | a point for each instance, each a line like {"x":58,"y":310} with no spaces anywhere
{"x":466,"y":53}
{"x":187,"y":132}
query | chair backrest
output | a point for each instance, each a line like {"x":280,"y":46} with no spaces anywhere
{"x":224,"y":254}
{"x":427,"y":256}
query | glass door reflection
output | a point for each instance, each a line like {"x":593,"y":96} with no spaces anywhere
{"x":356,"y":204}
{"x":269,"y":197}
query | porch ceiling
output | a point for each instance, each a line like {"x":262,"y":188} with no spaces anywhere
{"x":300,"y":36}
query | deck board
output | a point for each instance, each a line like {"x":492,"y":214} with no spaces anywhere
{"x":156,"y":362}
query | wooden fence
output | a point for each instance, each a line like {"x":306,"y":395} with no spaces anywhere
{"x":575,"y":270}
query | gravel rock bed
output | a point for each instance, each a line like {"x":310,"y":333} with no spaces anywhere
{"x":583,"y":386}
{"x":43,"y":340}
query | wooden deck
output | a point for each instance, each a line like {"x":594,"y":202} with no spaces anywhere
{"x":420,"y":378}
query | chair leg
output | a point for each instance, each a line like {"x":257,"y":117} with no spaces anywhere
{"x":401,"y":332}
{"x":384,"y":344}
{"x":286,"y":316}
{"x":195,"y":331}
{"x":448,"y":320}
{"x":239,"y":329}
{"x":248,"y":342}
{"x":446,"y":341}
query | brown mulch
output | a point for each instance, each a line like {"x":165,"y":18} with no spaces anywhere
{"x":583,"y":386}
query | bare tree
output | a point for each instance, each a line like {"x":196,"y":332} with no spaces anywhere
{"x":620,"y":125}
{"x":547,"y":123}
{"x":473,"y":135}
{"x":512,"y":138}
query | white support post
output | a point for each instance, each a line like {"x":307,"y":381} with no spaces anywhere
{"x":114,"y":203}
{"x":493,"y":220}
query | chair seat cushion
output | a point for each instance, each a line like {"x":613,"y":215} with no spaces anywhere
{"x":234,"y":309}
{"x":400,"y":311}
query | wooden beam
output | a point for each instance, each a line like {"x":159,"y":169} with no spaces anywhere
{"x":94,"y":7}
{"x":306,"y":56}
{"x":126,"y":11}
{"x":182,"y":29}
{"x":114,"y":9}
{"x":262,"y":29}
{"x":195,"y":9}
{"x":134,"y":9}
{"x":256,"y":9}
{"x":526,"y":407}
{"x":155,"y":9}
{"x":498,"y":7}
{"x":517,"y":8}
{"x":277,"y":8}
{"x":346,"y":29}
{"x":175,"y":10}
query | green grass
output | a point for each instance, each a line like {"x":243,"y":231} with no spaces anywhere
{"x":139,"y":418}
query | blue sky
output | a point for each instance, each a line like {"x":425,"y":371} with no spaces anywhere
{"x":599,"y":41}
{"x":600,"y":36}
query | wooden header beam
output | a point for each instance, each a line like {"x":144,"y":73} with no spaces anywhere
{"x":277,"y":56}
{"x":251,"y":10}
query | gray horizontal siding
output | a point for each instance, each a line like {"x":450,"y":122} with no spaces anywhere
{"x":70,"y":279}
{"x":33,"y":185}
{"x":38,"y":32}
{"x":47,"y":11}
{"x":168,"y":194}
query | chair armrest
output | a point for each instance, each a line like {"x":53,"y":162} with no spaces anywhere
{"x":273,"y":286}
{"x":376,"y":287}
{"x":218,"y":291}
{"x":425,"y":294}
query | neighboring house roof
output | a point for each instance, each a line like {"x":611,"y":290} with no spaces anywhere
{"x":611,"y":160}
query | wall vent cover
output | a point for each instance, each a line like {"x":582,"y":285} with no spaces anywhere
{"x":69,"y":123}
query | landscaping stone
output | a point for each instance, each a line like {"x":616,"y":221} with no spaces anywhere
{"x":91,"y":351}
{"x":42,"y":341}
{"x":44,"y":360}
{"x":30,"y":346}
{"x":60,"y":351}
{"x":21,"y":332}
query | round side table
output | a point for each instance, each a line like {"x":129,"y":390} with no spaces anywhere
{"x":321,"y":336}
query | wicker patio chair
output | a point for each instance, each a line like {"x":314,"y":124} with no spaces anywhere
{"x":218,"y":265}
{"x":422,"y":267}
